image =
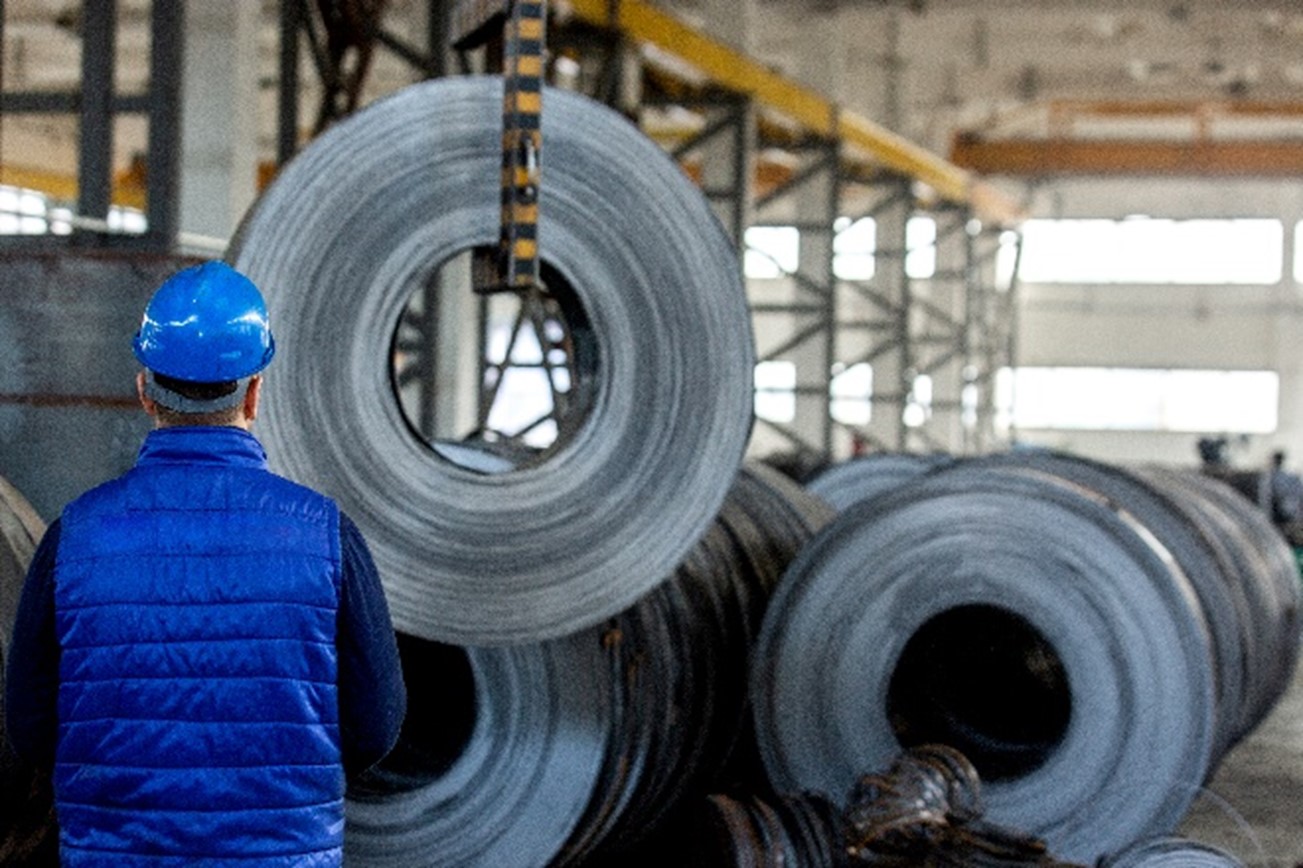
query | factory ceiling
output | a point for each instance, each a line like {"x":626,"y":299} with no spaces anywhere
{"x":942,"y":74}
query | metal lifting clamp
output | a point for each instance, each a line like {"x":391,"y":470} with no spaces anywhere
{"x":523,"y":28}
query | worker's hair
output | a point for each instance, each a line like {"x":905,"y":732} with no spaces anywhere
{"x":197,"y":392}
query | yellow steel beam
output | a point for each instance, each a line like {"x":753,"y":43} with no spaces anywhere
{"x":733,"y":70}
{"x":1174,"y":108}
{"x":1201,"y":157}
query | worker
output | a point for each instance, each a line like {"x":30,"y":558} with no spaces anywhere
{"x":202,"y":654}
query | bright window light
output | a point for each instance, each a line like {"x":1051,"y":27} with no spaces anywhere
{"x":852,"y":394}
{"x":1155,"y":251}
{"x":1006,"y":260}
{"x":921,"y":247}
{"x":1139,"y":399}
{"x":775,"y":385}
{"x":1298,"y":252}
{"x":853,"y":247}
{"x":771,"y":252}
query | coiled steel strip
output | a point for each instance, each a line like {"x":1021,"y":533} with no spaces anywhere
{"x":1259,"y":564}
{"x":1108,"y":603}
{"x":1172,"y":853}
{"x":1224,"y":593}
{"x":584,"y":746}
{"x":868,"y":476}
{"x":339,"y":242}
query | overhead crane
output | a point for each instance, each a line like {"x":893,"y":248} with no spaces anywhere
{"x":1194,"y":143}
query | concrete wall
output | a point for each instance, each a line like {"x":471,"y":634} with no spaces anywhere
{"x":1171,"y":326}
{"x":68,"y":413}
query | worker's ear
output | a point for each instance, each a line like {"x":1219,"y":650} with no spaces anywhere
{"x":145,"y":401}
{"x":251,"y":396}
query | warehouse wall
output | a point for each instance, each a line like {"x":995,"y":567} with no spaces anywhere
{"x":1170,"y":326}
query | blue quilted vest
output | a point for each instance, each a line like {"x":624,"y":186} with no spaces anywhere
{"x":196,"y":600}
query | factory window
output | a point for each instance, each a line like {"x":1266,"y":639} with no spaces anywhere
{"x":22,"y":212}
{"x":775,"y":251}
{"x":1140,"y":399}
{"x":30,"y":212}
{"x":852,"y":393}
{"x":854,"y":248}
{"x":1298,"y":252}
{"x":775,"y":385}
{"x":1150,"y":250}
{"x":771,"y":251}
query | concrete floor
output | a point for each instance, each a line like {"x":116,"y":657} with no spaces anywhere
{"x":1253,"y":806}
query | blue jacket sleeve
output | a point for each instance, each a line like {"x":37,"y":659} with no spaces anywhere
{"x":372,"y":694}
{"x":32,"y":661}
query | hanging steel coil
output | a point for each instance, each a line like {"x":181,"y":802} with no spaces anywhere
{"x":1030,"y":621}
{"x":26,"y":805}
{"x":574,"y":749}
{"x":361,"y":219}
{"x":1172,"y":853}
{"x":868,"y":476}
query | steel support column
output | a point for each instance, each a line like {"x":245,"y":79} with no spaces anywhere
{"x":167,"y":21}
{"x":95,"y":153}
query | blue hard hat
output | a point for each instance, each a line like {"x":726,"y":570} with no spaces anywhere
{"x":206,"y":324}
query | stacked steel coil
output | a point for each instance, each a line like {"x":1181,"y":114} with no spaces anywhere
{"x":26,"y":809}
{"x":869,"y":476}
{"x":805,"y":830}
{"x":361,"y":219}
{"x":1172,"y":853}
{"x":581,"y":747}
{"x":1093,"y":639}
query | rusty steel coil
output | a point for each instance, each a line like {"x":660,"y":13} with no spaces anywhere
{"x":360,"y":219}
{"x":769,"y":832}
{"x":580,"y":748}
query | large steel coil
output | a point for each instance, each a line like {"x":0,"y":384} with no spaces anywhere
{"x":574,"y":748}
{"x":362,"y":217}
{"x":26,"y":825}
{"x":1032,"y":623}
{"x":1172,"y":853}
{"x":1181,"y":510}
{"x":869,"y":476}
{"x":1260,"y":567}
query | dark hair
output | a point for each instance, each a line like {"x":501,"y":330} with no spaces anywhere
{"x":196,"y":391}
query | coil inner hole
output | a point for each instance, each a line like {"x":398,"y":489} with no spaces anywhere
{"x":984,"y":681}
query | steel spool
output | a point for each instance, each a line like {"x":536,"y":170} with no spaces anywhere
{"x":1037,"y":628}
{"x":868,"y":476}
{"x":581,"y":747}
{"x":1172,"y":853}
{"x":362,"y":217}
